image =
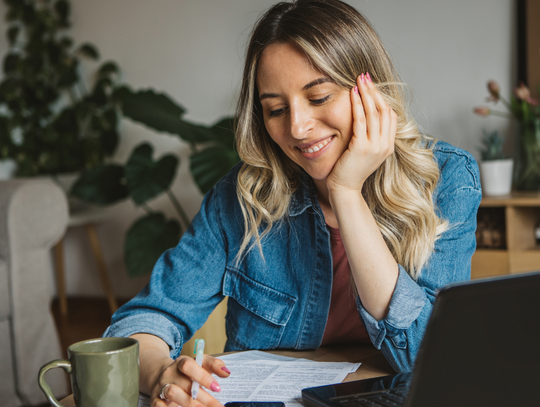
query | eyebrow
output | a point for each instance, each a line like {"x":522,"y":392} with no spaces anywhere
{"x":308,"y":86}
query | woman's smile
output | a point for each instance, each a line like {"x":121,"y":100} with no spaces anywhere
{"x":310,"y":150}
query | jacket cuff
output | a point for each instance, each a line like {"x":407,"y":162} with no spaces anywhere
{"x":406,"y":304}
{"x":149,"y":323}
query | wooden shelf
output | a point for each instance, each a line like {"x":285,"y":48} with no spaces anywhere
{"x":521,"y":213}
{"x":515,"y":199}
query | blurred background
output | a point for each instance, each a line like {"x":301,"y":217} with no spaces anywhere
{"x":193,"y":51}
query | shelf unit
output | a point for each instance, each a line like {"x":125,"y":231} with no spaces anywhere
{"x":521,"y":213}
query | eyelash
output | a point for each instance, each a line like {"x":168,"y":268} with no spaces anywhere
{"x":317,"y":102}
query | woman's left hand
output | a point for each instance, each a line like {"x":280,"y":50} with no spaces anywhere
{"x":374,"y":130}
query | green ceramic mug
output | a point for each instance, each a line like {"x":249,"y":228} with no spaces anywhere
{"x":104,"y":372}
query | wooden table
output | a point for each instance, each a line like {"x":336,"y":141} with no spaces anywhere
{"x":373,"y":362}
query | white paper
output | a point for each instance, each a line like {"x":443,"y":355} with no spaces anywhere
{"x":251,"y":355}
{"x":260,"y":376}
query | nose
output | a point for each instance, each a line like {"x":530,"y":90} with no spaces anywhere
{"x":301,"y":121}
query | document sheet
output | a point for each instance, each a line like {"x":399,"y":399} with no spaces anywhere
{"x":260,"y":376}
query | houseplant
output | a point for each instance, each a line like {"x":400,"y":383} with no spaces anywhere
{"x":50,"y":121}
{"x":525,"y":110}
{"x":143,"y":178}
{"x":495,"y":168}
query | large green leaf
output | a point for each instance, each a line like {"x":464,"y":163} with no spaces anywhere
{"x":109,"y":141}
{"x":146,"y":240}
{"x":155,"y":110}
{"x":102,"y":185}
{"x":146,"y":178}
{"x":223,"y":132}
{"x":210,"y":165}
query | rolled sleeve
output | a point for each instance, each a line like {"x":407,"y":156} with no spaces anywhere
{"x":149,"y":323}
{"x":405,"y":307}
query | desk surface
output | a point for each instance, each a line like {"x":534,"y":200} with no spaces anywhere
{"x":373,"y":362}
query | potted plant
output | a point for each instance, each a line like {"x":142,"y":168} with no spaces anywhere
{"x":50,"y":122}
{"x":143,"y":178}
{"x":526,"y":111}
{"x":495,"y":168}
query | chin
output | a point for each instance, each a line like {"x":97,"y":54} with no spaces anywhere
{"x":319,"y":175}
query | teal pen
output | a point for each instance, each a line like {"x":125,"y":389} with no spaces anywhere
{"x":199,"y":352}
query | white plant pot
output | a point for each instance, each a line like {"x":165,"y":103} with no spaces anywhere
{"x":496,"y":177}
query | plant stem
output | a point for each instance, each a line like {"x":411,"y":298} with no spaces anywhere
{"x":505,"y":102}
{"x":179,"y":209}
{"x":500,"y":114}
{"x":146,"y":208}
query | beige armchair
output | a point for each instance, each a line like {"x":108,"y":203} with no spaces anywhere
{"x":33,"y":217}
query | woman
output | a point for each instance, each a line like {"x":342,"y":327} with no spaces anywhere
{"x":340,"y":224}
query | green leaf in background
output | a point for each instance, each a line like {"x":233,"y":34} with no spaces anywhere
{"x":62,"y":8}
{"x":155,"y":110}
{"x":193,"y":133}
{"x":146,"y":178}
{"x":102,"y":185}
{"x":223,"y":132}
{"x":146,"y":240}
{"x":11,"y":63}
{"x":107,"y":69}
{"x":109,"y":141}
{"x":88,"y":50}
{"x":12,"y":34}
{"x":210,"y":165}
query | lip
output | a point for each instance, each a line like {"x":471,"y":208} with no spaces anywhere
{"x":316,"y":154}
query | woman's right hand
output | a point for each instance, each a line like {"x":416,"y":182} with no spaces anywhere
{"x":157,"y":369}
{"x":180,"y":375}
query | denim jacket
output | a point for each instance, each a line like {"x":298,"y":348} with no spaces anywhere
{"x":281,"y":300}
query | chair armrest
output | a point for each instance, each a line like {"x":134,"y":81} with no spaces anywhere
{"x":33,"y":217}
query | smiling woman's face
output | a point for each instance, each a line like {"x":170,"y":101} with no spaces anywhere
{"x":305,"y":112}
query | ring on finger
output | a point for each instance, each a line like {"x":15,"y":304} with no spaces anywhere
{"x":162,"y":394}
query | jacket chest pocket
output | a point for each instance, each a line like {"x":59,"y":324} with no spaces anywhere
{"x":257,"y":314}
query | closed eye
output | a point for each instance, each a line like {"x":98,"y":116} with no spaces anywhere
{"x":320,"y":101}
{"x":277,"y":112}
{"x":316,"y":102}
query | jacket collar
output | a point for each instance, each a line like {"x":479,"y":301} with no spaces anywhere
{"x":304,"y":196}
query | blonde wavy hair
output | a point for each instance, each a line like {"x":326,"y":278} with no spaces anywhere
{"x":339,"y":41}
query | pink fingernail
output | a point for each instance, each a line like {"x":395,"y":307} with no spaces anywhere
{"x":215,"y":387}
{"x":226,"y":370}
{"x":356,"y":90}
{"x":368,"y":77}
{"x":362,"y":78}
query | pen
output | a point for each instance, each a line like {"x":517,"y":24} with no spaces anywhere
{"x":199,"y":351}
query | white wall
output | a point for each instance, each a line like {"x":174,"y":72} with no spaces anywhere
{"x":192,"y":50}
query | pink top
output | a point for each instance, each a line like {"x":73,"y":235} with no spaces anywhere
{"x":344,"y":323}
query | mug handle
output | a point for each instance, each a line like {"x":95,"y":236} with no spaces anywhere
{"x":64,"y":364}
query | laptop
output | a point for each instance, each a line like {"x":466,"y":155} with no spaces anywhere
{"x":481,"y":348}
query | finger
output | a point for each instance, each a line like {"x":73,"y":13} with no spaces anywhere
{"x":216,"y":366}
{"x":359,"y":117}
{"x":208,"y":400}
{"x":372,"y":114}
{"x":385,"y":119}
{"x":388,"y":118}
{"x":191,"y":369}
{"x":175,"y":395}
